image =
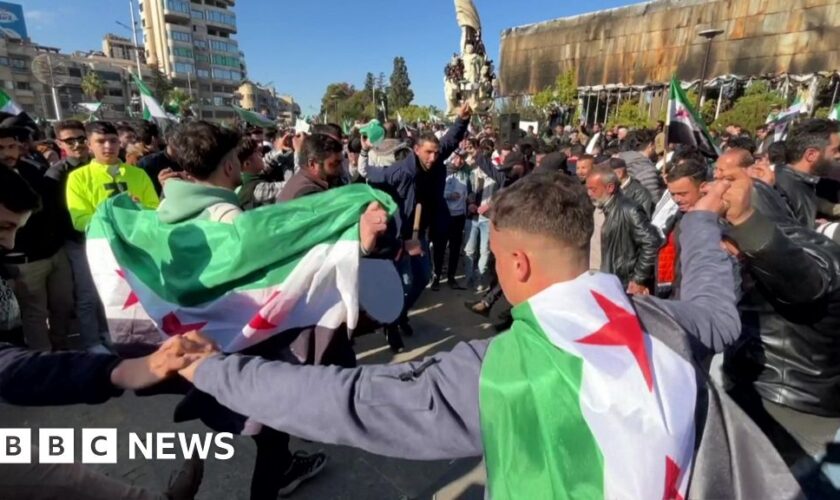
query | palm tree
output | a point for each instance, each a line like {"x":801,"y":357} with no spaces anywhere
{"x":93,"y":85}
{"x":180,"y":100}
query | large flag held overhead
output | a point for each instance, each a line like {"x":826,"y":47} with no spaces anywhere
{"x":284,"y":266}
{"x":253,"y":118}
{"x":151,"y":108}
{"x":685,"y":126}
{"x":598,"y":407}
{"x":8,"y":105}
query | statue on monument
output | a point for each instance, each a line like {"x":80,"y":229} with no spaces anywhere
{"x":469,"y":77}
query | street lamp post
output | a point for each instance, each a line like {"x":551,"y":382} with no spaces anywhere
{"x":708,"y":34}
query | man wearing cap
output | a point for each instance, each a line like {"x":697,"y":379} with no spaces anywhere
{"x":632,"y":188}
{"x":417,"y":185}
{"x":380,"y":147}
{"x":44,"y":281}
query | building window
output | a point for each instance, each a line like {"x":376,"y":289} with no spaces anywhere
{"x":221,"y":17}
{"x":18,"y":63}
{"x":220,"y":46}
{"x":76,"y":72}
{"x":182,"y":52}
{"x":180,"y":36}
{"x":197,"y":14}
{"x":110,"y":76}
{"x":202,"y":73}
{"x":183,"y":68}
{"x":225,"y":61}
{"x":178,"y":6}
{"x":115,"y":92}
{"x":4,"y":61}
{"x":120,"y":108}
{"x":201,"y":44}
{"x":23,"y":86}
{"x":224,"y":74}
{"x":202,"y":58}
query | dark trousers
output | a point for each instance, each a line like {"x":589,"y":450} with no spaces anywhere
{"x":273,"y":460}
{"x":454,"y":237}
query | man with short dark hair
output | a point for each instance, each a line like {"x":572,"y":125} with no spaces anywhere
{"x":105,"y":176}
{"x":44,"y":282}
{"x":320,"y":167}
{"x":72,"y":138}
{"x":584,"y":166}
{"x":813,"y":148}
{"x":149,"y":134}
{"x":417,"y":185}
{"x":632,"y":151}
{"x":257,"y":188}
{"x":523,"y":384}
{"x":127,"y":137}
{"x":628,"y":241}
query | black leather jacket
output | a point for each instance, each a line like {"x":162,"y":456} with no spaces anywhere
{"x":790,"y":312}
{"x":636,"y":192}
{"x":800,"y":192}
{"x":629,"y":243}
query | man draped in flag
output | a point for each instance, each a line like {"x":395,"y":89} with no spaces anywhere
{"x":685,"y":126}
{"x":590,"y":394}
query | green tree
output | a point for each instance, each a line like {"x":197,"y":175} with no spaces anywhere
{"x":159,"y":84}
{"x":630,"y":115}
{"x":751,"y":110}
{"x":93,"y":85}
{"x":370,"y":83}
{"x":179,"y":101}
{"x":413,"y":113}
{"x":335,"y":94}
{"x":563,"y":92}
{"x":400,"y":93}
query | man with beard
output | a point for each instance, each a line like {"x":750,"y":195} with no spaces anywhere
{"x":812,"y":148}
{"x":320,"y":160}
{"x":628,"y":240}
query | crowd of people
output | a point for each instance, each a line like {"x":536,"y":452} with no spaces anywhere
{"x":737,"y":250}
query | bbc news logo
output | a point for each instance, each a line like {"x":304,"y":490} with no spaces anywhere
{"x":99,"y":446}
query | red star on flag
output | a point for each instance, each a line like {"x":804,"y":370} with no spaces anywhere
{"x":672,"y":477}
{"x":683,"y":113}
{"x":172,"y":326}
{"x":132,"y":297}
{"x":260,"y":322}
{"x":621,"y":329}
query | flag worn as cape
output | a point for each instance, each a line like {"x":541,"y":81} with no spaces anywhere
{"x":8,"y":105}
{"x":685,"y":126}
{"x":580,"y":401}
{"x":151,"y":108}
{"x":283,"y":266}
{"x":254,"y":119}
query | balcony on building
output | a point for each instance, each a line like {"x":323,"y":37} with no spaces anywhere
{"x":221,"y":20}
{"x":177,"y":11}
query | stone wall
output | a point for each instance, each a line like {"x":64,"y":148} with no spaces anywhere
{"x":649,"y":42}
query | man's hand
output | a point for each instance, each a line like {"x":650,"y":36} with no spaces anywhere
{"x":166,"y":174}
{"x":195,"y":358}
{"x":763,"y":171}
{"x":465,"y":113}
{"x":175,"y":354}
{"x":472,"y":209}
{"x":636,"y":289}
{"x":284,"y":143}
{"x":413,"y":248}
{"x":736,"y":196}
{"x":712,"y":199}
{"x":483,"y":209}
{"x":373,"y":223}
{"x":366,"y":144}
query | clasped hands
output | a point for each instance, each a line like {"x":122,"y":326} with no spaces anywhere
{"x":178,"y":355}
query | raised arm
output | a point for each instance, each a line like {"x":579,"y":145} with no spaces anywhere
{"x":449,"y":142}
{"x":421,"y":410}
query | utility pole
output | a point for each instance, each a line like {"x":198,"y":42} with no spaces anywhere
{"x":134,"y":36}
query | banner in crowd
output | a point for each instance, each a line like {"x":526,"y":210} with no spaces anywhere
{"x":8,"y":105}
{"x":254,"y":119}
{"x":283,"y":266}
{"x":685,"y":126}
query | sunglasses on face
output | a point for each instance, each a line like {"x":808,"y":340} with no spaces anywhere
{"x":75,"y":141}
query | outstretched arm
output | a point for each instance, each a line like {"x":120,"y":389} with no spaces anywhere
{"x":420,"y":410}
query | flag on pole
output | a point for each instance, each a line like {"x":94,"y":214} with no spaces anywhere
{"x":151,"y":108}
{"x":584,"y":389}
{"x":253,"y":118}
{"x":285,"y":266}
{"x":835,"y":113}
{"x":685,"y":126}
{"x":400,"y":122}
{"x":8,"y":105}
{"x":346,"y":127}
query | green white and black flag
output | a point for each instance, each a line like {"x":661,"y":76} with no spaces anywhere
{"x":685,"y":126}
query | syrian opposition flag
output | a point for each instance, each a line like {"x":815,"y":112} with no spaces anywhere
{"x":578,"y":401}
{"x":254,"y":119}
{"x":685,"y":126}
{"x":151,"y":108}
{"x":835,"y":113}
{"x":284,"y":266}
{"x":8,"y":105}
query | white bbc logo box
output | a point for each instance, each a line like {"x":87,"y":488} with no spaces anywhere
{"x":56,"y":446}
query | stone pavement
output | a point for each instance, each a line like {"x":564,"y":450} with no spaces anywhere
{"x":440,"y":321}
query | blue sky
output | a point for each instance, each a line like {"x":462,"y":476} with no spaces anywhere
{"x":302,"y":46}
